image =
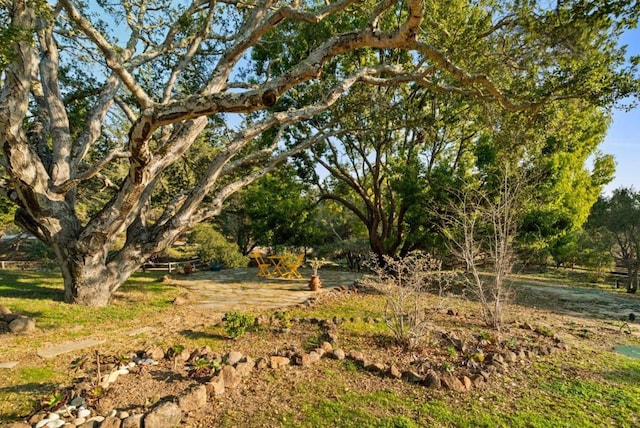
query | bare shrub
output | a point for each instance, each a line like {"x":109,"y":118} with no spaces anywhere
{"x":406,"y":284}
{"x":483,"y":227}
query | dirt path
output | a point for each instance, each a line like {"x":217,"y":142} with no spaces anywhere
{"x":579,"y":302}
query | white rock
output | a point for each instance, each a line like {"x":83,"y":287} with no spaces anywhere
{"x":43,"y":423}
{"x":53,"y":416}
{"x":123,"y":370}
{"x":66,"y":411}
{"x":132,"y":364}
{"x":113,"y":413}
{"x":97,"y":419}
{"x":84,"y":413}
{"x":79,"y":421}
{"x":122,"y":414}
{"x":113,"y":376}
{"x":55,"y":423}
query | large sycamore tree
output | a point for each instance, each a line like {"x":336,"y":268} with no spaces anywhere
{"x":100,"y":101}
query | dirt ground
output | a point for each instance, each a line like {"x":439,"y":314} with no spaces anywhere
{"x":569,"y":313}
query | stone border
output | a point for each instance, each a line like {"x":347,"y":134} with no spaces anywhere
{"x":238,"y":367}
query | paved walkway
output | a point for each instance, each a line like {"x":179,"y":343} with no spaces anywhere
{"x":242,"y":289}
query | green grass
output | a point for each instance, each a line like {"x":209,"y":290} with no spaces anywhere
{"x":39,"y":294}
{"x":554,"y":402}
{"x":347,"y":308}
{"x":588,"y":386}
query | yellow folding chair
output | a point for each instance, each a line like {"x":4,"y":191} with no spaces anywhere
{"x":263,"y":267}
{"x":291,"y":267}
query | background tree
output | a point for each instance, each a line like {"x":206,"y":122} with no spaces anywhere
{"x":179,"y":73}
{"x":618,"y":217}
{"x":214,"y":248}
{"x":563,"y":144}
{"x":585,"y":248}
{"x":276,"y":210}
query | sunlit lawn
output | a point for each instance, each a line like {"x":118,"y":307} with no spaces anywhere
{"x":587,"y":387}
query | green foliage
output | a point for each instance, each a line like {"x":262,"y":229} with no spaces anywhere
{"x":237,"y":324}
{"x":215,"y":248}
{"x":451,"y":351}
{"x":284,"y":317}
{"x":54,"y":400}
{"x":616,"y":219}
{"x":280,"y":208}
{"x":37,"y":250}
{"x":589,"y":249}
{"x":10,"y":34}
{"x":7,"y":212}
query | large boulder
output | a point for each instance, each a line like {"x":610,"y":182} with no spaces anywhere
{"x":165,"y":415}
{"x":22,"y":325}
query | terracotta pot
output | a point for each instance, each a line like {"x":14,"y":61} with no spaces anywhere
{"x":314,"y":283}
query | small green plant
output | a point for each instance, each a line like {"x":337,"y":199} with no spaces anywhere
{"x":236,"y":324}
{"x":175,"y":351}
{"x":484,"y":335}
{"x":123,"y":359}
{"x":284,"y":318}
{"x":452,"y":351}
{"x":316,"y":264}
{"x":55,"y":400}
{"x":447,"y":367}
{"x":478,"y":356}
{"x":349,"y":366}
{"x":312,"y":342}
{"x":204,"y":362}
{"x":544,"y":331}
{"x":511,"y":343}
{"x":95,"y":392}
{"x":204,"y":367}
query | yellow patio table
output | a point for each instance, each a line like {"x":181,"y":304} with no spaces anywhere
{"x":278,"y":265}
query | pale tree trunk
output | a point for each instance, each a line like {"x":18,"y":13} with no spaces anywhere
{"x":90,"y":276}
{"x":86,"y":284}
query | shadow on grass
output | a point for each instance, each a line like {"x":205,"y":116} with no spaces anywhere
{"x":627,"y":372}
{"x":43,"y":285}
{"x":32,"y":393}
{"x":191,"y":334}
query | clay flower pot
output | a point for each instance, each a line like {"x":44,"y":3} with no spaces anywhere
{"x":188,"y":269}
{"x":314,"y":283}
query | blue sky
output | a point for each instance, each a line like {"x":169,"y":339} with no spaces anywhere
{"x":623,"y":139}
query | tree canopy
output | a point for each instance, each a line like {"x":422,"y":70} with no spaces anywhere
{"x":101,"y":102}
